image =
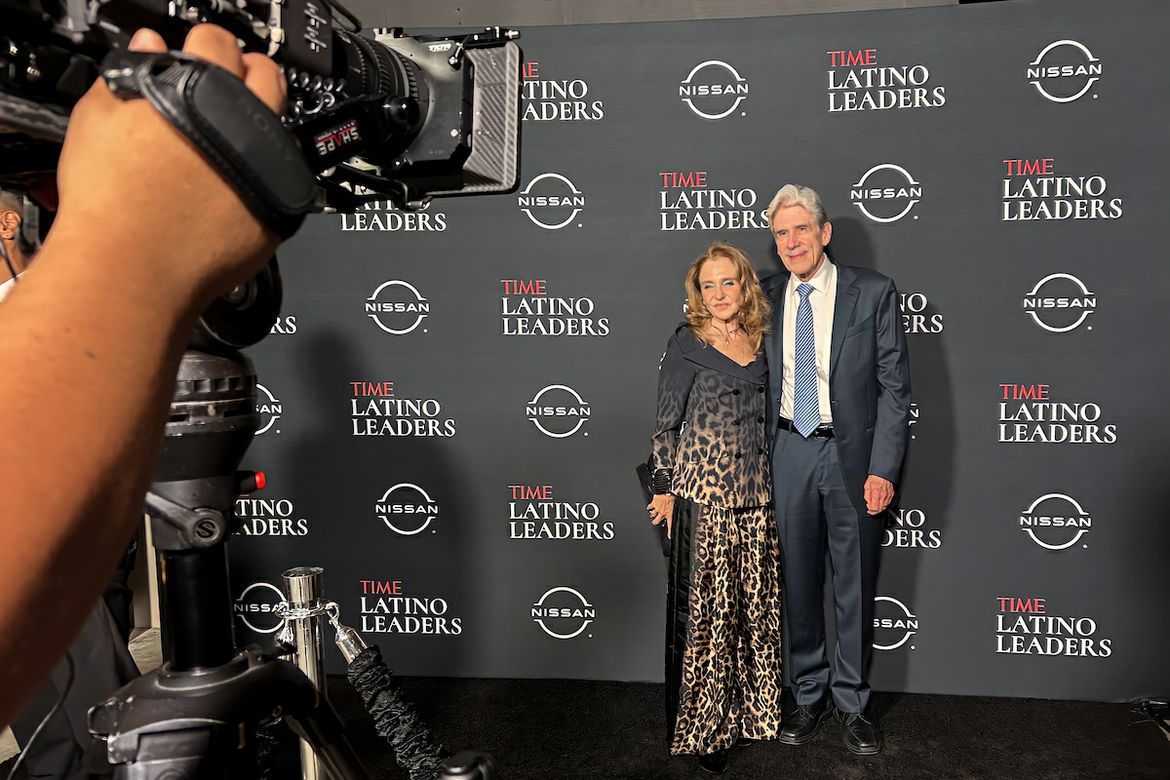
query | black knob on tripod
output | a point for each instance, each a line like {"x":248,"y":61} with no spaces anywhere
{"x":467,"y":765}
{"x":244,"y":316}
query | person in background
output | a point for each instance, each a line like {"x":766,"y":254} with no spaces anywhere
{"x":713,"y":489}
{"x":15,"y":246}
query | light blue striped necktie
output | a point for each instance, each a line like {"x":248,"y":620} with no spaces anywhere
{"x":806,"y":410}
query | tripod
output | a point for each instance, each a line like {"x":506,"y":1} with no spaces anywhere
{"x":197,"y":715}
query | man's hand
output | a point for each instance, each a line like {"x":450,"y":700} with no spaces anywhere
{"x":661,"y":509}
{"x":125,"y":168}
{"x":879,"y":493}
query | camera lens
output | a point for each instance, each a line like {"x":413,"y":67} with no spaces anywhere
{"x":371,"y":69}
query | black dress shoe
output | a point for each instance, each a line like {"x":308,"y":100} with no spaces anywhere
{"x":743,"y":742}
{"x":715,"y":763}
{"x":800,"y":725}
{"x":860,"y":734}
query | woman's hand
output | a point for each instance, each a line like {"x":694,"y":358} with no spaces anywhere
{"x":661,"y":508}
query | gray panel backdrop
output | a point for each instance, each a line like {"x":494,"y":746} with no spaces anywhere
{"x":454,"y":401}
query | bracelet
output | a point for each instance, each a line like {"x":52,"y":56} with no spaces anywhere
{"x":661,"y":481}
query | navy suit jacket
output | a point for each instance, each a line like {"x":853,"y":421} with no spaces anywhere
{"x":869,"y":375}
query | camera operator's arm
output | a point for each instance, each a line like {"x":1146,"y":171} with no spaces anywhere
{"x":146,"y":235}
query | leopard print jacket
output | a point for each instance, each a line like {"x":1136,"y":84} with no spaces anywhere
{"x":711,"y":427}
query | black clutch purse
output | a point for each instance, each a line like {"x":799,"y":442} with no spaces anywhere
{"x":646,"y":480}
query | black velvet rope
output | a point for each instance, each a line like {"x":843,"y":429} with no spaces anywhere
{"x":395,"y":719}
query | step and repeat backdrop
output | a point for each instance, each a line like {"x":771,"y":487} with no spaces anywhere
{"x":454,"y":400}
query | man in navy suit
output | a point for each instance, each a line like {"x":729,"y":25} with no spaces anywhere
{"x":838,"y":412}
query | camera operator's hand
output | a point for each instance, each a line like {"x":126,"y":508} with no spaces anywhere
{"x":125,"y":167}
{"x":90,"y":342}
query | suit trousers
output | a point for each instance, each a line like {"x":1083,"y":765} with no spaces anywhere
{"x":814,"y":513}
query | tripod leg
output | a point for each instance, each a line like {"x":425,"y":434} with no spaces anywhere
{"x":202,"y":725}
{"x":322,"y":729}
{"x":196,"y":752}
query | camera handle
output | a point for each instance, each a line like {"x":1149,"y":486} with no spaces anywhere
{"x":232,"y":128}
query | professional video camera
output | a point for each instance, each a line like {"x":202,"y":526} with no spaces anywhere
{"x":392,"y":117}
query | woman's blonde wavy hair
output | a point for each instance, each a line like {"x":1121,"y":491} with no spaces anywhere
{"x":755,"y":316}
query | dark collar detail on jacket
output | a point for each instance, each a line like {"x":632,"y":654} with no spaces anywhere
{"x":707,"y":356}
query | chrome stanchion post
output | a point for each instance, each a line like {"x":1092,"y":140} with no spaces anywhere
{"x":395,"y":719}
{"x":303,"y":591}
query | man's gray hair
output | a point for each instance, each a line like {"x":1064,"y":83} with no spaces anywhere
{"x":798,"y":195}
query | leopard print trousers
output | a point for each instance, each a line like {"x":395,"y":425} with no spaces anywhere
{"x":731,"y":683}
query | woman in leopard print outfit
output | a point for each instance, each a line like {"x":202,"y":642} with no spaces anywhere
{"x":712,"y":485}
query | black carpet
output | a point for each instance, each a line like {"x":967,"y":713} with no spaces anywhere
{"x":557,"y":729}
{"x":569,"y":729}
